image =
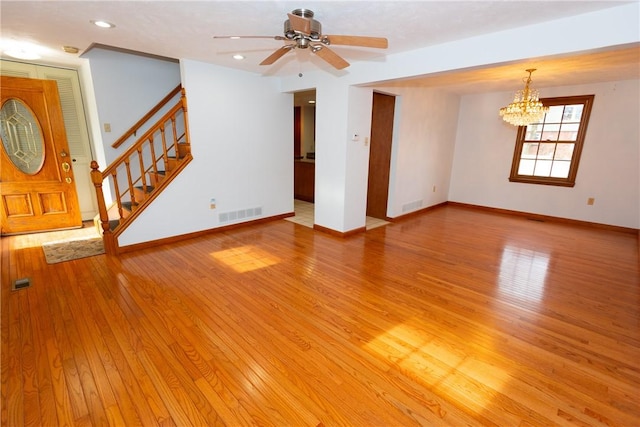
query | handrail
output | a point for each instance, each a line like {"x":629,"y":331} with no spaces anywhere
{"x":146,"y":117}
{"x":165,"y":146}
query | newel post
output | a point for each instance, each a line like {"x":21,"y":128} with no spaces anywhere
{"x":97,"y":179}
{"x":185,"y":116}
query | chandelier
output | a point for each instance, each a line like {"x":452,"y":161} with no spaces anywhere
{"x":526,"y":108}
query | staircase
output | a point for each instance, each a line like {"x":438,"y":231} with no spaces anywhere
{"x":143,"y":171}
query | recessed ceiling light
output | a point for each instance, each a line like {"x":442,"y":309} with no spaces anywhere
{"x":22,"y":54}
{"x":238,"y":57}
{"x":70,"y":49}
{"x":103,"y":24}
{"x":23,"y":50}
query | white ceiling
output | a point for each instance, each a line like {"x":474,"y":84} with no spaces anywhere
{"x":185,"y":29}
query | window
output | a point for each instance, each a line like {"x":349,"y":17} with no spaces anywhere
{"x":548,"y":152}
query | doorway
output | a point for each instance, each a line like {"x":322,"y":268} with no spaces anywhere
{"x":382,"y":116}
{"x":304,"y":132}
{"x":75,"y":124}
{"x":37,"y":190}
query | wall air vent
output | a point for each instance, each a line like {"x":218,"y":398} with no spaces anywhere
{"x":239,"y":215}
{"x":412,"y":206}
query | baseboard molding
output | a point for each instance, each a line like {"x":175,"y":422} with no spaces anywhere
{"x":536,"y":217}
{"x":181,"y":237}
{"x":339,"y":233}
{"x":414,"y":213}
{"x":548,"y":218}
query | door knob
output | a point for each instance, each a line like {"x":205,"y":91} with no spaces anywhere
{"x":66,"y":167}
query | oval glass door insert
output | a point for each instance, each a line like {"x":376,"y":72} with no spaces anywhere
{"x":21,"y":136}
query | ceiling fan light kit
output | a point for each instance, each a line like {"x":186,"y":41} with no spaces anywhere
{"x":301,"y":31}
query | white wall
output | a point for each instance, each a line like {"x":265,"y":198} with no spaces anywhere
{"x":241,"y":129}
{"x":422,"y":154}
{"x":331,"y":160}
{"x":126,"y":87}
{"x":608,"y":169}
{"x":357,"y":155}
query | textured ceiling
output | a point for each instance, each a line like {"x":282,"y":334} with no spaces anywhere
{"x":185,"y":29}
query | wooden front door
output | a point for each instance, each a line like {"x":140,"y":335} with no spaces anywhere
{"x":37,"y":190}
{"x":380,"y":154}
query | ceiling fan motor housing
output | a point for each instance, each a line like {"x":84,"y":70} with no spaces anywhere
{"x":316,"y":27}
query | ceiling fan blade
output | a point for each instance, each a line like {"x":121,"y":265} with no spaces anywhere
{"x":330,"y":56}
{"x":377,"y":42}
{"x":277,"y":54}
{"x":251,"y":37}
{"x":300,"y":24}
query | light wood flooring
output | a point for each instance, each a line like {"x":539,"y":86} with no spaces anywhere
{"x":453,"y":317}
{"x":305,"y":214}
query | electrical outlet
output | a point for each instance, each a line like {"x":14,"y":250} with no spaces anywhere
{"x":212,"y":204}
{"x":591,"y":201}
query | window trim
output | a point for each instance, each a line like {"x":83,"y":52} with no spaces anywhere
{"x":570,"y":181}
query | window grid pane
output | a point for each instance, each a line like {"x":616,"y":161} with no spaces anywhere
{"x":534,"y":132}
{"x":564,"y":151}
{"x":546,"y":151}
{"x":550,"y":132}
{"x":530,"y":150}
{"x":526,"y":167}
{"x":560,"y":169}
{"x":543,"y":168}
{"x":572,"y":113}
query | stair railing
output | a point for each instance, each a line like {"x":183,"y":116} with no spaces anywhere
{"x":165,"y":147}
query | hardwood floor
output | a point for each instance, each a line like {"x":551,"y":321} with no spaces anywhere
{"x":453,"y":317}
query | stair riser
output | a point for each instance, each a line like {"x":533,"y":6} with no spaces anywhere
{"x":139,"y":195}
{"x":183,"y":150}
{"x":156,"y":178}
{"x":112,"y":214}
{"x":172,"y":163}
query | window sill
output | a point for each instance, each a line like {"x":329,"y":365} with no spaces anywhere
{"x":542,"y":181}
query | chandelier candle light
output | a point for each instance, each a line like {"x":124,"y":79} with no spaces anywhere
{"x":526,"y":108}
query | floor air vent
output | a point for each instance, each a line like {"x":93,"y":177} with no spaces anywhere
{"x":21,"y":284}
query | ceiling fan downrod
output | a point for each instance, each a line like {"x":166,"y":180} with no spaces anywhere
{"x":315,"y":28}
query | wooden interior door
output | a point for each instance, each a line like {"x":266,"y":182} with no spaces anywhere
{"x":380,"y":154}
{"x":37,"y":190}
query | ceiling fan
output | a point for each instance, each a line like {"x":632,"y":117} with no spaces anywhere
{"x":301,"y":31}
